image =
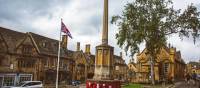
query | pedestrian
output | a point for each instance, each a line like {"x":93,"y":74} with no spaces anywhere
{"x":187,"y":78}
{"x":194,"y":76}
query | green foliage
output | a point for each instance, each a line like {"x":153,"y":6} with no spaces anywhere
{"x":133,"y":86}
{"x":151,"y":21}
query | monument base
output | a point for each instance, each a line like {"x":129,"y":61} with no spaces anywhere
{"x":103,"y":83}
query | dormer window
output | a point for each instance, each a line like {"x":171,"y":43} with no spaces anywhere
{"x":44,"y":44}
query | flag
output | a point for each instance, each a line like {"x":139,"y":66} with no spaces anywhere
{"x":65,"y":30}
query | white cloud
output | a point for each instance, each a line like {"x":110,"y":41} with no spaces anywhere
{"x":82,"y":17}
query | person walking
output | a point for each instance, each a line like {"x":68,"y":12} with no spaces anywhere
{"x":187,"y":78}
{"x":194,"y":76}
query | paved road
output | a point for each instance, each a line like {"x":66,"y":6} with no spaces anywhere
{"x":183,"y":84}
{"x":82,"y":86}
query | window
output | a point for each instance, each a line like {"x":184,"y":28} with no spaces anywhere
{"x":27,"y":49}
{"x":46,"y":62}
{"x":166,"y":66}
{"x":9,"y":80}
{"x":53,"y":62}
{"x":25,"y":77}
{"x":140,"y":66}
{"x":1,"y":61}
{"x":26,"y":63}
{"x":3,"y":48}
{"x":44,"y":44}
{"x":149,"y":69}
{"x":4,"y":61}
{"x":61,"y":64}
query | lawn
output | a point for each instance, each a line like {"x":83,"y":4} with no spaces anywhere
{"x":133,"y":86}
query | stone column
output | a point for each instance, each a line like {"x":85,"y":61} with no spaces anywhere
{"x":105,"y":23}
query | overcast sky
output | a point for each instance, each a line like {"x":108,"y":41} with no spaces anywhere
{"x":84,"y":20}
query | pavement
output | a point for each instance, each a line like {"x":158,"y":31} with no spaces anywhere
{"x":184,"y":84}
{"x":82,"y":86}
{"x":158,"y":86}
{"x":179,"y":84}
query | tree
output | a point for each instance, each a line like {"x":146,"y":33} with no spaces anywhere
{"x":150,"y":22}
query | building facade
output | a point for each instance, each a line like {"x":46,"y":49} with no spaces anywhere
{"x":29,"y":56}
{"x":120,"y":71}
{"x":193,"y":67}
{"x":168,"y":66}
{"x":132,"y":70}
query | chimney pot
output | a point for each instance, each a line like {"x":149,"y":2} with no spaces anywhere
{"x":78,"y":46}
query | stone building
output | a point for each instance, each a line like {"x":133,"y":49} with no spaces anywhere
{"x":120,"y":71}
{"x":29,"y":56}
{"x":169,"y":66}
{"x":84,"y":63}
{"x":193,"y":67}
{"x":132,"y":70}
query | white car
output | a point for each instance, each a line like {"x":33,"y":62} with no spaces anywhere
{"x":29,"y":84}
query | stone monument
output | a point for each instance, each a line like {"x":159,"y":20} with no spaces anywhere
{"x":104,"y":60}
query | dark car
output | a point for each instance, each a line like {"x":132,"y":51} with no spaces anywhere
{"x":76,"y":82}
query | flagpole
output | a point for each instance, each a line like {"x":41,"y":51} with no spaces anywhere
{"x":58,"y":63}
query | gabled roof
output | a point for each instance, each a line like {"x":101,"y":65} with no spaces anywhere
{"x":164,"y":47}
{"x":12,"y":38}
{"x":46,"y":45}
{"x":49,"y":46}
{"x":197,"y":64}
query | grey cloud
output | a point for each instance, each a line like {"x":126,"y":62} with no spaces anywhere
{"x":22,"y":13}
{"x":92,"y":27}
{"x":18,"y":10}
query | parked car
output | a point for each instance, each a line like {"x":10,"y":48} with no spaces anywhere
{"x":198,"y":77}
{"x":29,"y":84}
{"x":76,"y":82}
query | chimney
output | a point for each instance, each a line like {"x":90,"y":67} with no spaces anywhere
{"x":87,"y":48}
{"x":64,"y":41}
{"x":78,"y":46}
{"x":169,"y":45}
{"x":121,"y":54}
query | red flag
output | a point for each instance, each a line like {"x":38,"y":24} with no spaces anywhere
{"x":65,"y":30}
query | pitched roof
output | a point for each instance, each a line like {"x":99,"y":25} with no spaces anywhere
{"x":197,"y":64}
{"x":45,"y":45}
{"x":49,"y":46}
{"x":12,"y":38}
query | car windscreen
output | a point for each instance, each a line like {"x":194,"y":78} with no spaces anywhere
{"x":32,"y":84}
{"x":20,"y":84}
